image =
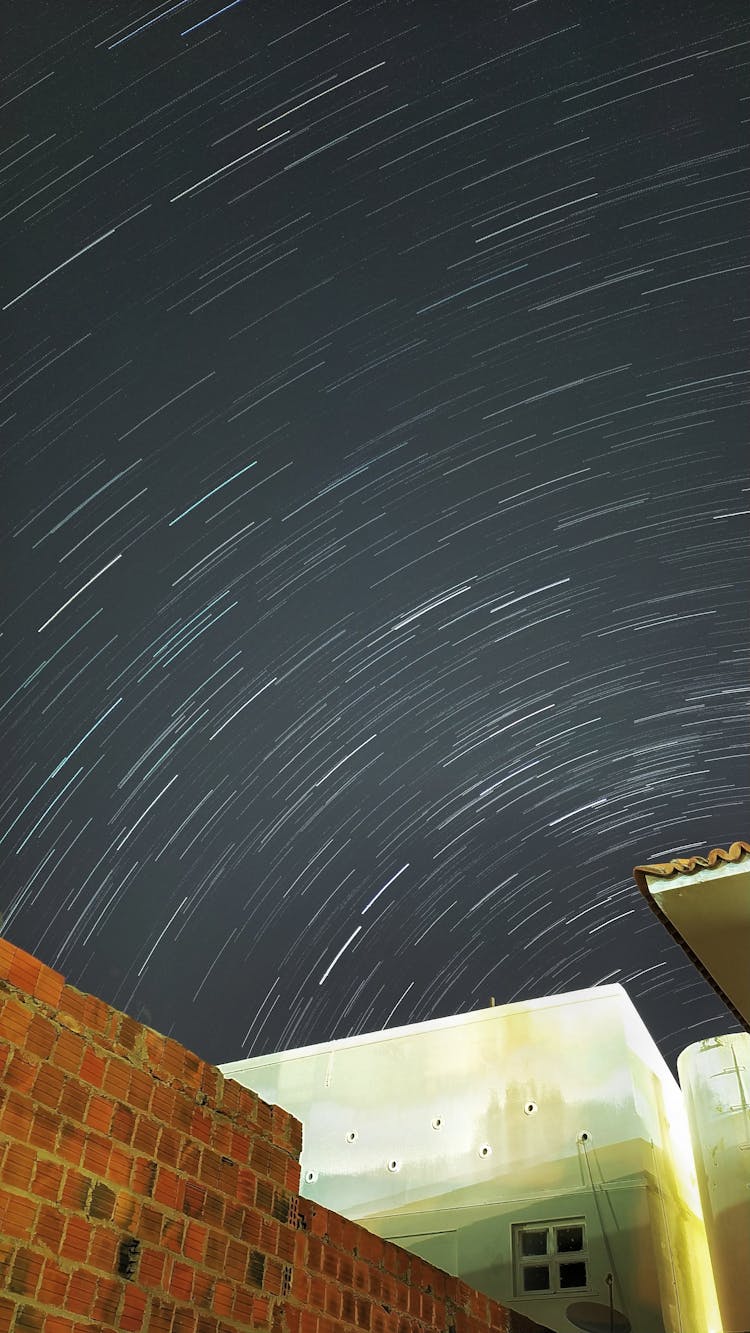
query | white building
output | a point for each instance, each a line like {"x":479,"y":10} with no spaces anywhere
{"x":542,"y":1151}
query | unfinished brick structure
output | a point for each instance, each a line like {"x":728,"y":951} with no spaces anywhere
{"x":140,"y":1190}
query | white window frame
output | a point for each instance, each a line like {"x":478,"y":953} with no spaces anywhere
{"x":553,"y":1258}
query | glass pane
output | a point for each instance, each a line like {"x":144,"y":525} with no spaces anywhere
{"x":533,"y":1242}
{"x":569,"y":1239}
{"x":536,"y":1277}
{"x":573,"y":1274}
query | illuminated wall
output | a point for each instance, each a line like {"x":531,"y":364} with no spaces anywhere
{"x":539,"y":1150}
{"x":715,"y":1078}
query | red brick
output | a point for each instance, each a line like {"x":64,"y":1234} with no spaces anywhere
{"x":16,"y":1118}
{"x":106,"y":1300}
{"x":173,"y":1234}
{"x":54,"y":1284}
{"x":133,"y":1309}
{"x":7,"y":1253}
{"x":49,"y":1085}
{"x":146,"y":1135}
{"x":49,"y":1228}
{"x":72,"y":1143}
{"x":235,"y":1262}
{"x":21,"y":1072}
{"x":318,"y":1292}
{"x":172,"y":1061}
{"x":240,"y":1146}
{"x":18,"y":1166}
{"x":221,"y":1137}
{"x":76,"y":1190}
{"x":242,"y":1308}
{"x":68,"y":1051}
{"x":261,"y":1311}
{"x":127,"y":1211}
{"x":75,"y":1243}
{"x":140,"y":1088}
{"x":99,"y":1114}
{"x":122,"y":1127}
{"x":184,"y":1321}
{"x":74,"y":1099}
{"x":29,"y":1319}
{"x":162,"y":1103}
{"x":150,"y":1223}
{"x":216,"y":1249}
{"x":169,"y":1189}
{"x":120,"y":1167}
{"x":231,"y":1096}
{"x":44,"y":1129}
{"x":143,"y":1176}
{"x":210,"y":1168}
{"x":203,"y":1287}
{"x":182,"y":1112}
{"x":200,"y":1126}
{"x":24,"y":971}
{"x":17,"y":1215}
{"x":41,"y":1037}
{"x":97,"y":1015}
{"x":101,"y":1202}
{"x":247,"y":1183}
{"x":222,"y":1302}
{"x":293,"y":1317}
{"x":194,"y":1246}
{"x":49,"y":986}
{"x":54,"y":1323}
{"x":92,"y":1067}
{"x":154,"y":1043}
{"x":73,"y":1003}
{"x":195,"y":1199}
{"x":188,"y":1162}
{"x":96,"y":1152}
{"x":117,"y":1080}
{"x":151,"y":1268}
{"x":168,"y":1150}
{"x":160,"y":1316}
{"x":8,"y":952}
{"x":47,"y":1179}
{"x":180,"y":1281}
{"x":103,"y":1250}
{"x":25,"y":1272}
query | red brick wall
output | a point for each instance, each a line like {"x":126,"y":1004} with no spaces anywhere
{"x":140,"y":1190}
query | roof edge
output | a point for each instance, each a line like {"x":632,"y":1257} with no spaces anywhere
{"x":688,"y":866}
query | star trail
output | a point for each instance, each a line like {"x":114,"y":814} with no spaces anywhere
{"x":373,"y":400}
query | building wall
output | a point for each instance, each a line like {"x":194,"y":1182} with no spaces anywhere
{"x":446,"y":1136}
{"x":141,"y":1190}
{"x":714,"y":1076}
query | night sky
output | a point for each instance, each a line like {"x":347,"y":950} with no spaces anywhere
{"x":374,"y":502}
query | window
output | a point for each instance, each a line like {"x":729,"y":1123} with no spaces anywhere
{"x":550,"y":1257}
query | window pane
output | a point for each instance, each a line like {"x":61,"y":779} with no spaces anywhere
{"x":533,"y":1242}
{"x":569,"y":1239}
{"x":573,"y":1274}
{"x":536,"y":1277}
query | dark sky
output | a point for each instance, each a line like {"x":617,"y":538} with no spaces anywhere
{"x":374,"y":500}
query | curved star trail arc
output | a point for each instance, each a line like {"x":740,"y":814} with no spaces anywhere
{"x":373,"y":404}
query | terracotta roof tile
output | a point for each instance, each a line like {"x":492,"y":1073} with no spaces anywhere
{"x":687,"y":865}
